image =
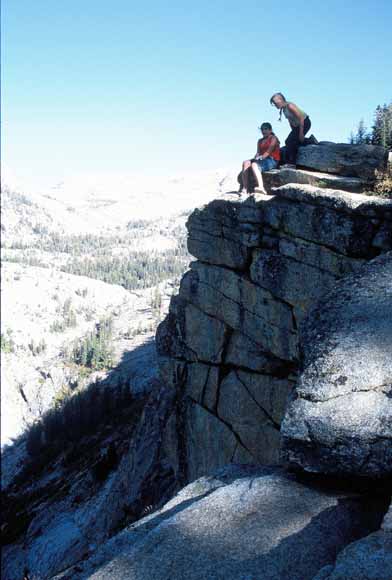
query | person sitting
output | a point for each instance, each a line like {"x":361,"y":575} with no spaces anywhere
{"x":300,"y":124}
{"x":267,"y":157}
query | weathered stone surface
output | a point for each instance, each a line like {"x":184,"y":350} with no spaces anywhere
{"x":340,"y":419}
{"x":244,"y":352}
{"x":170,"y":336}
{"x":387,"y":522}
{"x":288,"y":279}
{"x":366,"y":559}
{"x":317,"y":256}
{"x":219,"y":235}
{"x":341,"y":201}
{"x":224,"y":322}
{"x":172,"y":371}
{"x":202,"y":384}
{"x":204,"y":335}
{"x":240,"y":524}
{"x":253,"y":406}
{"x":344,"y":159}
{"x":191,"y":334}
{"x":210,"y":443}
{"x":278,"y":177}
{"x":243,"y":306}
{"x":383,"y":238}
{"x":299,"y":211}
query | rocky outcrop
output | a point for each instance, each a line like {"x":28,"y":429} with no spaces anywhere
{"x":285,"y":175}
{"x":367,"y":559}
{"x":241,"y":522}
{"x":230,"y":345}
{"x":361,"y":161}
{"x":340,"y":418}
{"x":230,"y":353}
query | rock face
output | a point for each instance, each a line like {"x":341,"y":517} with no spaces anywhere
{"x":340,"y":418}
{"x":361,"y":161}
{"x":240,"y":523}
{"x":285,"y":175}
{"x":369,"y":558}
{"x":366,"y":559}
{"x":229,"y":346}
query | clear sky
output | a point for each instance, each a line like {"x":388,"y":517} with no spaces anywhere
{"x":93,"y":85}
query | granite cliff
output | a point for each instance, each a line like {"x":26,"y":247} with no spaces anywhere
{"x":230,"y":345}
{"x":273,"y":408}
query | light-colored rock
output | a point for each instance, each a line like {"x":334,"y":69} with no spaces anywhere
{"x":240,"y":524}
{"x":351,"y":160}
{"x":340,"y":201}
{"x":317,"y":256}
{"x":343,"y":222}
{"x":278,"y":177}
{"x":217,"y":236}
{"x":366,"y":559}
{"x":387,"y":522}
{"x":340,"y":419}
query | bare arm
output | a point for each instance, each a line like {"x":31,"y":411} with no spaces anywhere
{"x":257,"y":155}
{"x":294,"y":109}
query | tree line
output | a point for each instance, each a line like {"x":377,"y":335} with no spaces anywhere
{"x":381,"y":131}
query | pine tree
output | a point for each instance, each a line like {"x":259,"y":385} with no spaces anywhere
{"x":382,"y":127}
{"x":362,"y":135}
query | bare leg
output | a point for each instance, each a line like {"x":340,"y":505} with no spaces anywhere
{"x":259,"y":177}
{"x":246,"y":164}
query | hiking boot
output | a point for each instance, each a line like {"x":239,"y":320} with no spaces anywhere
{"x":288,"y":166}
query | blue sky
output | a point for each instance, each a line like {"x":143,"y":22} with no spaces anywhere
{"x":92,"y":85}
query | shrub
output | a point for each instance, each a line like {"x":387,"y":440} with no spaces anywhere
{"x":37,"y":348}
{"x":95,"y":350}
{"x":57,"y":326}
{"x":383,"y":184}
{"x":7,"y":341}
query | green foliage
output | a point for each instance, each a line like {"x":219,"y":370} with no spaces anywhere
{"x":382,"y":127}
{"x":57,"y":326}
{"x":156,"y":303}
{"x":68,"y":314}
{"x":108,"y":258}
{"x":383,"y":185}
{"x":95,"y":350}
{"x":381,"y":131}
{"x":7,"y":341}
{"x":37,"y":348}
